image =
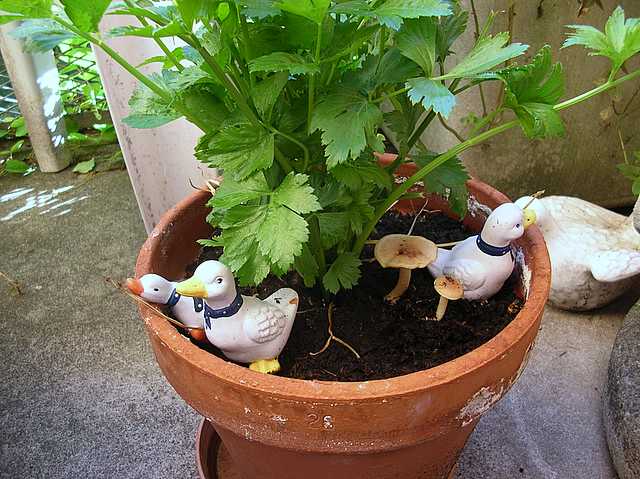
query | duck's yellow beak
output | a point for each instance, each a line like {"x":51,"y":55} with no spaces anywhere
{"x":193,"y":287}
{"x":529,"y":217}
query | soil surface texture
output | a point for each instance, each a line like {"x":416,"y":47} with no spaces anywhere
{"x":391,"y":340}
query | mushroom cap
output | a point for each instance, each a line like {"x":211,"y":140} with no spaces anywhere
{"x":448,"y":288}
{"x":405,"y":251}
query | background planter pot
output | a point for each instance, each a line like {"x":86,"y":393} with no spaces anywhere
{"x":576,"y":164}
{"x":412,"y":426}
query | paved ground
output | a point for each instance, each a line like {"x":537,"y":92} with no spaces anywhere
{"x":81,"y":396}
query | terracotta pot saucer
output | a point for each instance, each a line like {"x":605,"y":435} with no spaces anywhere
{"x":214,"y":461}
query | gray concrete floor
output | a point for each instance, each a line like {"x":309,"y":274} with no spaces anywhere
{"x":81,"y":396}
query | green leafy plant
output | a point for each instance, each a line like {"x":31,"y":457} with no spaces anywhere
{"x":631,"y":170}
{"x":289,"y":95}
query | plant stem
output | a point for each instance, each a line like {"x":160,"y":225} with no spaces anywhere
{"x":443,"y":158}
{"x":159,"y":42}
{"x":386,"y":96}
{"x":137,"y":74}
{"x":316,"y":244}
{"x":596,"y":91}
{"x":234,"y":90}
{"x":282,"y":160}
{"x":312,"y":78}
{"x":420,"y":129}
{"x":401,"y":189}
{"x":302,"y":146}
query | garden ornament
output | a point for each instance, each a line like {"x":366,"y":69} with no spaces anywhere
{"x":482,"y":263}
{"x":244,"y":328}
{"x":449,"y":290}
{"x":404,"y":252}
{"x":156,"y":289}
{"x":594,"y":252}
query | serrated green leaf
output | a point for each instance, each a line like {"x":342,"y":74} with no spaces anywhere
{"x":357,"y":205}
{"x":355,"y":174}
{"x":392,"y":12}
{"x":191,"y":9}
{"x":432,"y":94}
{"x":448,"y":30}
{"x":266,"y":93}
{"x":281,"y":236}
{"x":296,"y":194}
{"x":259,"y":9}
{"x":233,"y":193}
{"x":85,"y":15}
{"x":148,"y":110}
{"x":532,"y":90}
{"x":240,"y":149}
{"x":619,"y":42}
{"x":201,"y":104}
{"x":488,"y":53}
{"x":314,"y":10}
{"x":417,"y":41}
{"x":635,"y":188}
{"x":85,"y":167}
{"x":41,"y":35}
{"x":334,"y":228}
{"x":346,"y":119}
{"x":448,"y":180}
{"x":307,"y":266}
{"x":282,"y":61}
{"x":27,"y":8}
{"x":343,"y":273}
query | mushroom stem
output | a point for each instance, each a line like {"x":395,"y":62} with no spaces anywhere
{"x":442,"y":308}
{"x":404,"y":278}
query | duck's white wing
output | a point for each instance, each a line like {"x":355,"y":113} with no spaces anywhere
{"x":609,"y":266}
{"x":469,"y":272}
{"x":264,"y":322}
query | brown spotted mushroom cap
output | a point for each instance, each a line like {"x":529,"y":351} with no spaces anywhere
{"x":448,"y":288}
{"x":405,"y":251}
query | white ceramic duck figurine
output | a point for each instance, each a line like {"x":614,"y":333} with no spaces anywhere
{"x":156,"y":289}
{"x":244,"y":328}
{"x":594,"y":252}
{"x":482,"y":263}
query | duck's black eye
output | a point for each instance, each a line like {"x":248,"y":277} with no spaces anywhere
{"x":518,"y":225}
{"x":156,"y":289}
{"x":219,"y":280}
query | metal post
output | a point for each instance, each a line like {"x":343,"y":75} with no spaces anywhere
{"x":36,"y":85}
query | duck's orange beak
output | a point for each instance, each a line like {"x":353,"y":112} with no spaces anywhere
{"x":135,"y":286}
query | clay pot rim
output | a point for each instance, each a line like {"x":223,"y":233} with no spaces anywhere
{"x":299,"y":389}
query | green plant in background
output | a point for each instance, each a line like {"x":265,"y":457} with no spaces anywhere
{"x":289,"y":96}
{"x":14,"y":128}
{"x":631,"y":170}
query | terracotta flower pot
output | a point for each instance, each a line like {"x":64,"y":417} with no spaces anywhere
{"x":408,"y":427}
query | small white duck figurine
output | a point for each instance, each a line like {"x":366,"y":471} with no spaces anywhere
{"x":156,"y":289}
{"x":244,"y":328}
{"x":482,"y":263}
{"x":594,"y":252}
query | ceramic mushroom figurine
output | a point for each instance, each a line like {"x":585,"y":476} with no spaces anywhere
{"x":482,"y":263}
{"x":449,"y":290}
{"x":594,"y":252}
{"x":404,"y":252}
{"x":156,"y":289}
{"x":244,"y":328}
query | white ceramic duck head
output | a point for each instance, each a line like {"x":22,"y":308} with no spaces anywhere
{"x":506,"y":223}
{"x":542,"y":217}
{"x":213,"y":281}
{"x":151,"y":287}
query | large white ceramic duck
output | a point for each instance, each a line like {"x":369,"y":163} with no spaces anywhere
{"x":156,"y":289}
{"x":594,"y":252}
{"x":244,"y":328}
{"x":482,"y":263}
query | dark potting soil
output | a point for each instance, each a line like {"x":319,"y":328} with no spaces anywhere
{"x":392,"y":340}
